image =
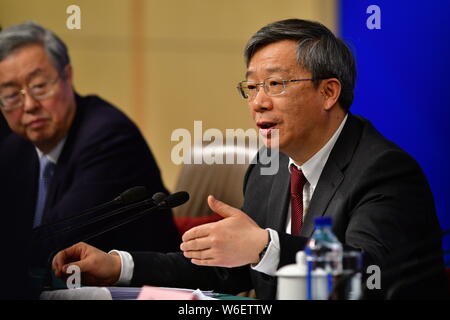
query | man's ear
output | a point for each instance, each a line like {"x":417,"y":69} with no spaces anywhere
{"x":330,"y":89}
{"x":68,"y":74}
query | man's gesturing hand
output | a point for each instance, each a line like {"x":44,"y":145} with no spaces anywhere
{"x":233,"y":241}
{"x":98,"y":268}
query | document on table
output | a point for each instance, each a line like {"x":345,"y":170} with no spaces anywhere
{"x":127,"y":293}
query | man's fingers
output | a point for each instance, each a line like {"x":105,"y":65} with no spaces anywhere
{"x":59,"y":261}
{"x":221,"y":208}
{"x":66,"y":257}
{"x":79,"y":264}
{"x":205,"y":230}
{"x":196,"y":244}
{"x":199,"y":255}
{"x":197,"y":232}
{"x":72,"y":253}
{"x":76,"y":251}
{"x":204,"y":262}
{"x":212,"y":262}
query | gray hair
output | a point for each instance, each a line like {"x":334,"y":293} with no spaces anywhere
{"x":28,"y":33}
{"x":319,"y":51}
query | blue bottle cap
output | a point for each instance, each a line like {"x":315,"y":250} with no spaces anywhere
{"x":322,"y":221}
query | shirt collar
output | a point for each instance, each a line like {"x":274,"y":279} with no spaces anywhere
{"x":312,"y":169}
{"x":54,"y":154}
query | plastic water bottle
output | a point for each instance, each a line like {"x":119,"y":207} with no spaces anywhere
{"x":352,"y":263}
{"x":324,"y":260}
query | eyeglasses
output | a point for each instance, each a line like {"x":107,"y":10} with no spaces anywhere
{"x":11,"y":99}
{"x":273,"y":86}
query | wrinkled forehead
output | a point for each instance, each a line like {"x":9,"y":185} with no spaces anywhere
{"x":279,"y":58}
{"x":24,"y":64}
{"x":279,"y":70}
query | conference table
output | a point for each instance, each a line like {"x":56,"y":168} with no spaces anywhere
{"x":134,"y":293}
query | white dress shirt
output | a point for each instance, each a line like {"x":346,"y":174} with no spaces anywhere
{"x":50,"y":157}
{"x":54,"y":154}
{"x":312,"y":169}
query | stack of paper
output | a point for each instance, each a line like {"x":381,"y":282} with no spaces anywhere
{"x":127,"y":293}
{"x":157,"y":293}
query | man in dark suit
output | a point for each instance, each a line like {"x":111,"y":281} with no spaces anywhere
{"x":299,"y":83}
{"x":4,"y":129}
{"x":12,"y":230}
{"x":68,"y":153}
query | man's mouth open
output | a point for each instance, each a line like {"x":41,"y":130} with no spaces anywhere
{"x":265,"y":127}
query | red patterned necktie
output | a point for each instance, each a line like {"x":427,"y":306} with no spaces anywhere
{"x":298,"y":180}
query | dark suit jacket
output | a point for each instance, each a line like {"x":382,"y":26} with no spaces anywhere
{"x":13,"y":230}
{"x":4,"y":129}
{"x":104,"y":155}
{"x":376,"y":194}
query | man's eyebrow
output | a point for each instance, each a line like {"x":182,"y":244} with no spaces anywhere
{"x":268,"y":70}
{"x":277,"y":69}
{"x":30,"y":76}
{"x":34,"y":74}
{"x":8,"y":84}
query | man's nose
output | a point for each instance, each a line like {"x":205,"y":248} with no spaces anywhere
{"x":30,"y":104}
{"x":261,"y":102}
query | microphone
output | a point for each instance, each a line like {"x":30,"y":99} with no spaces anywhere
{"x":132,"y":195}
{"x":60,"y":231}
{"x":108,"y":221}
{"x":158,"y":197}
{"x":45,"y":250}
{"x":129,"y":196}
{"x":135,"y":197}
{"x":175,"y":200}
{"x":165,"y":202}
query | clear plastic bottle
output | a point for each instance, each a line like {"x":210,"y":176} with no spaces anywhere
{"x":352,"y":276}
{"x":324,"y":260}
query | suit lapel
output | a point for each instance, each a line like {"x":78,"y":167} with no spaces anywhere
{"x":32,"y":175}
{"x":333,"y":173}
{"x":279,"y":196}
{"x":56,"y":187}
{"x":51,"y":194}
{"x":60,"y":175}
{"x":329,"y":181}
{"x":24,"y":177}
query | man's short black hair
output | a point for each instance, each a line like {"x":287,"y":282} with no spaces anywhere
{"x":319,"y":51}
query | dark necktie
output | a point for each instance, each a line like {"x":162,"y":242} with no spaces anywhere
{"x":298,"y":181}
{"x":45,"y":174}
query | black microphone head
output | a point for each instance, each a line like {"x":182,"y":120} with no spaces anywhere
{"x":133,"y":195}
{"x":158,"y":197}
{"x":176,"y":199}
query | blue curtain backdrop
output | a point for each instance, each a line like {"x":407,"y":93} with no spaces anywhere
{"x":403,"y":83}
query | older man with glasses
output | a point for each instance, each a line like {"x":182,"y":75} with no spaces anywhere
{"x":299,"y":83}
{"x":68,"y":153}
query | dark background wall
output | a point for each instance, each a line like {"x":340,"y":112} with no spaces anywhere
{"x":403,"y":82}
